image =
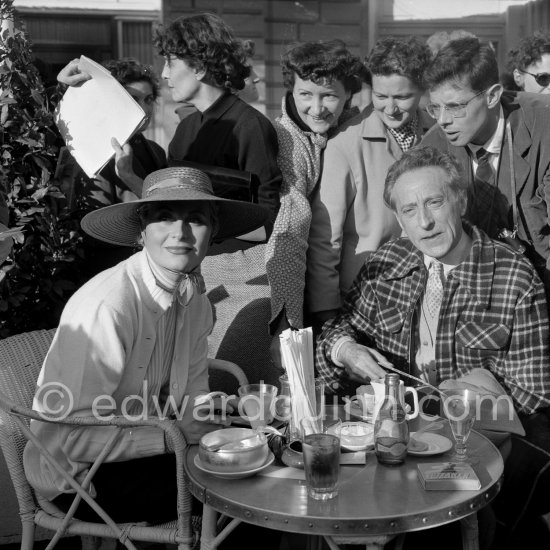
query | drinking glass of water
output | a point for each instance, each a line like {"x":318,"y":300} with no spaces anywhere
{"x":321,"y":464}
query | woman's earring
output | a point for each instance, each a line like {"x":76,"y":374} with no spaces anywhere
{"x":140,"y":241}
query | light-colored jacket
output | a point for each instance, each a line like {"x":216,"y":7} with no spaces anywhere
{"x":103,"y":347}
{"x":350,"y":219}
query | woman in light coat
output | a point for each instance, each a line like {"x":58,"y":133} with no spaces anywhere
{"x":350,"y":219}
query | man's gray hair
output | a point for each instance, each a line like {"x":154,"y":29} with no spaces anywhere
{"x":425,"y":157}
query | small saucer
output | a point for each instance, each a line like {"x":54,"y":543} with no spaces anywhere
{"x":437,"y":444}
{"x":234,"y":475}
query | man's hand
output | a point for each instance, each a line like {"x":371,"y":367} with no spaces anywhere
{"x":362,"y":363}
{"x":71,"y":75}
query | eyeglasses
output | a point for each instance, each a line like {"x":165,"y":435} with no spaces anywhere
{"x":542,"y":79}
{"x":456,"y":111}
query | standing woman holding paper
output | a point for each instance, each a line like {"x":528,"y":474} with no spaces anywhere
{"x":121,"y":179}
{"x":124,"y":174}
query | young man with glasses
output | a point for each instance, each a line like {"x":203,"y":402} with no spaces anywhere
{"x":529,"y":63}
{"x":502,"y":142}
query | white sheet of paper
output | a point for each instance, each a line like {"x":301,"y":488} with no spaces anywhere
{"x":90,"y":114}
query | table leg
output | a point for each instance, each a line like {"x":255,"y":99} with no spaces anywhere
{"x":373,"y":542}
{"x":210,"y":538}
{"x":470,"y":532}
{"x":314,"y":542}
{"x":209,"y":524}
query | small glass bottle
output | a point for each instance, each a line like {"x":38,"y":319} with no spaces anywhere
{"x":391,"y":432}
{"x":284,"y":410}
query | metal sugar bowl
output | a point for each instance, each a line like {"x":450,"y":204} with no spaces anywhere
{"x":233,"y":450}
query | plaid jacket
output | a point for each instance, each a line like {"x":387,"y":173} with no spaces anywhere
{"x":493,"y":316}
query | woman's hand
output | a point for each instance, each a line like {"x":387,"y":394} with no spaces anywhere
{"x":210,"y":412}
{"x":362,"y":364}
{"x":71,"y":75}
{"x":124,"y":158}
{"x":215,"y":407}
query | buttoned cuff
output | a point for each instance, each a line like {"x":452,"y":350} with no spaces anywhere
{"x":334,"y":354}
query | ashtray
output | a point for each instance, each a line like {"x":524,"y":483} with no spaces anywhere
{"x":292,"y":455}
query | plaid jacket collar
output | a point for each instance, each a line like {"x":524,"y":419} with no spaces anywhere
{"x":475,"y":273}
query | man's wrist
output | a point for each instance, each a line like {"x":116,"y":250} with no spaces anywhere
{"x":336,"y":354}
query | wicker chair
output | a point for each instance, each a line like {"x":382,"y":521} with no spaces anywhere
{"x":21,"y":358}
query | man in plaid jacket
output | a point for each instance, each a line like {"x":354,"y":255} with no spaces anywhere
{"x":442,"y":301}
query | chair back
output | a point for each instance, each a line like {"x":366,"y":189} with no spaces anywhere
{"x":21,"y":357}
{"x":239,"y":292}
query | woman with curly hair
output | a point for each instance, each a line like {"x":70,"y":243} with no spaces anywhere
{"x":204,"y":63}
{"x":529,"y":63}
{"x":320,"y":78}
{"x":350,"y":219}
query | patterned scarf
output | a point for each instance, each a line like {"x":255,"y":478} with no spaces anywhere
{"x":405,"y":135}
{"x":182,"y":286}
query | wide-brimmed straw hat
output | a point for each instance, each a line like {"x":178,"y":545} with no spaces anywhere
{"x":119,"y":223}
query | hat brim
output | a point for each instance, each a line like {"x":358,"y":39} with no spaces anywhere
{"x":118,"y":224}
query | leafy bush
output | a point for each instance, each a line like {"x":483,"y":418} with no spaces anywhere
{"x":45,"y":265}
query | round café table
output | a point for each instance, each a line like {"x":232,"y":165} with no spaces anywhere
{"x":375,"y":502}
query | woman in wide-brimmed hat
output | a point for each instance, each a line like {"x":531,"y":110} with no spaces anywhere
{"x":135,"y":337}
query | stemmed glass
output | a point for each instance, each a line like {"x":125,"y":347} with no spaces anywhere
{"x":459,"y":406}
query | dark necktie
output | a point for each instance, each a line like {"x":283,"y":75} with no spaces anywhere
{"x":482,"y":194}
{"x":484,"y":171}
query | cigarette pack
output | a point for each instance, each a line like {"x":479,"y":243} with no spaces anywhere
{"x":448,"y":476}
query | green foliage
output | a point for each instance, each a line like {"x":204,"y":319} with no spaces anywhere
{"x":44,"y":266}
